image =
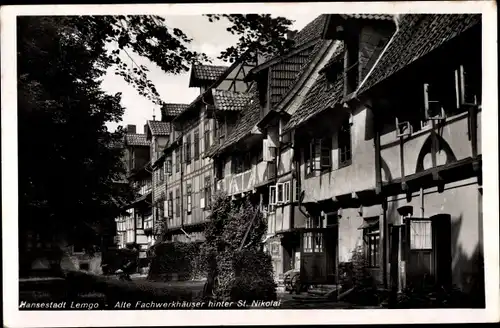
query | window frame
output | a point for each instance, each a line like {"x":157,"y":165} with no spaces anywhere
{"x":412,"y":236}
{"x":139,"y":221}
{"x":177,"y":203}
{"x":206,"y":135}
{"x":187,"y":149}
{"x":207,"y":192}
{"x":326,"y":148}
{"x":189,"y":199}
{"x":286,"y":192}
{"x":280,"y":193}
{"x":371,"y":238}
{"x":171,"y":205}
{"x":178,"y":159}
{"x":196,"y":140}
{"x":345,"y":143}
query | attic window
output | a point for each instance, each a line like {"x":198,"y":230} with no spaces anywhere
{"x":332,"y":72}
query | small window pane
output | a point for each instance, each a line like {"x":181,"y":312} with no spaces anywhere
{"x":420,"y":235}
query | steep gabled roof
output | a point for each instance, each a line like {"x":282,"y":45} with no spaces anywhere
{"x":172,"y":109}
{"x":321,"y":96}
{"x":134,"y":139}
{"x":418,"y":35}
{"x":250,"y":116}
{"x":212,"y":86}
{"x":311,"y":31}
{"x":159,"y":128}
{"x":230,"y":100}
{"x":285,"y":72}
{"x":368,"y":16}
{"x":205,"y":74}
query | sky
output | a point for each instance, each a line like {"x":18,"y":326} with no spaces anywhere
{"x":210,"y":38}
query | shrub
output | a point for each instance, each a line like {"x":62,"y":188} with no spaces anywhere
{"x":114,"y":259}
{"x":253,"y":277}
{"x":235,"y":274}
{"x":361,"y":276}
{"x":179,"y":258}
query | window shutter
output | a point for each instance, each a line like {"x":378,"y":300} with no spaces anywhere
{"x":165,"y":208}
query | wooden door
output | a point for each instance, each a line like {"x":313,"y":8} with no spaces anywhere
{"x":418,"y":243}
{"x":316,"y":256}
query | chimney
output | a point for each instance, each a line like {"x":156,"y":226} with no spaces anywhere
{"x":145,"y":128}
{"x":291,"y":34}
{"x":131,"y":128}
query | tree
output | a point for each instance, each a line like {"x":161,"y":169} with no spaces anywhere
{"x":69,"y":162}
{"x":236,"y":267}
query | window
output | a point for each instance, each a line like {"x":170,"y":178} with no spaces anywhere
{"x":344,"y":140}
{"x":371,"y":235}
{"x":220,"y":131}
{"x":187,"y":149}
{"x":313,"y":242}
{"x":139,"y":221}
{"x":280,"y":193}
{"x":247,"y":161}
{"x":272,"y":198}
{"x":177,"y":160}
{"x":168,"y":166}
{"x":296,"y":194}
{"x":206,"y":134}
{"x":177,"y":203}
{"x":189,"y":199}
{"x":237,"y":163}
{"x":162,"y":175}
{"x":420,"y":234}
{"x":307,"y":157}
{"x":220,"y":168}
{"x":208,"y":191}
{"x":170,"y":205}
{"x":313,"y":222}
{"x":326,"y":153}
{"x":196,"y":145}
{"x":286,"y":190}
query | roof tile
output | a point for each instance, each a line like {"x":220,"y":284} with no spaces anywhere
{"x":418,"y":35}
{"x":159,"y":128}
{"x":321,"y":96}
{"x":208,"y":72}
{"x":173,"y":109}
{"x":311,"y":31}
{"x":230,"y":100}
{"x":250,"y":116}
{"x":369,"y":16}
{"x":134,"y":139}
